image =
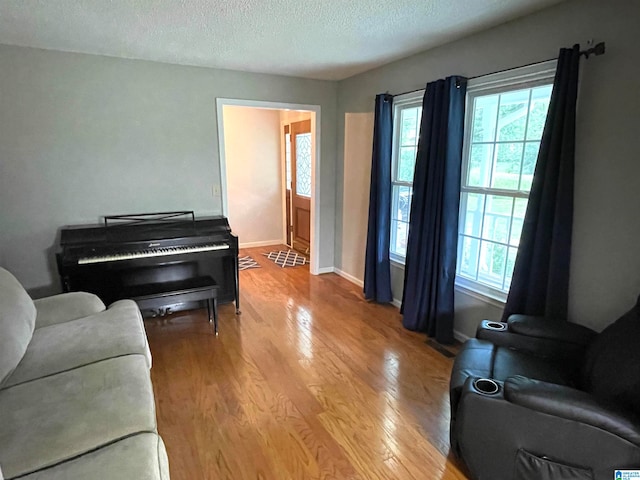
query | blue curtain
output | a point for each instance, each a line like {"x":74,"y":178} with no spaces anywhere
{"x":430,"y":269}
{"x":377,"y":270}
{"x":540,"y":284}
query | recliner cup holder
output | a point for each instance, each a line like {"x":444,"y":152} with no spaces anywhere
{"x":486,"y":386}
{"x":498,"y":326}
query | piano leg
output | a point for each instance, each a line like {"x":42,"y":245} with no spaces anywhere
{"x":237,"y":285}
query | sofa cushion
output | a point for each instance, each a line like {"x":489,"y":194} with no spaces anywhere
{"x":62,"y":416}
{"x":140,"y":457}
{"x":66,"y":307}
{"x":17,"y":320}
{"x":611,"y":369}
{"x":112,"y":333}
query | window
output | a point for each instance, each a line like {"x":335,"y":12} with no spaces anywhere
{"x":505,"y":117}
{"x":407,"y":111}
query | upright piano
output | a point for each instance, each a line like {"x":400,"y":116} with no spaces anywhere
{"x":125,"y":252}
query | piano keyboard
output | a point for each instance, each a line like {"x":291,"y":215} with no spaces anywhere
{"x":159,"y":252}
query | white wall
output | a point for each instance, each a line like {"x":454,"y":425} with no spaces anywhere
{"x":82,"y":136}
{"x":254,"y":174}
{"x":605,"y":271}
{"x":291,"y":116}
{"x":358,"y":145}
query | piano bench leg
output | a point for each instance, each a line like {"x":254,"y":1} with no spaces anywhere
{"x":215,"y":313}
{"x":212,"y":310}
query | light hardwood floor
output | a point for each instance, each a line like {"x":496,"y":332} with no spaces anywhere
{"x":311,"y":381}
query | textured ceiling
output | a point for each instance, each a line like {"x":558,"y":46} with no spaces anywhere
{"x":325,"y":39}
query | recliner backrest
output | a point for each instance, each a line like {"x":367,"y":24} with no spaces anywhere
{"x":17,"y":321}
{"x":611,"y":370}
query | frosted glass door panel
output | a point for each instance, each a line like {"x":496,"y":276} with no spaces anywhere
{"x":303,"y":164}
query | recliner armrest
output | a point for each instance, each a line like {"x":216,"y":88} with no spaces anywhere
{"x":550,"y":329}
{"x":499,"y":334}
{"x":571,"y":404}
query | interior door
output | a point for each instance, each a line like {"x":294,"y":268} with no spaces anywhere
{"x":301,"y":185}
{"x":287,"y":166}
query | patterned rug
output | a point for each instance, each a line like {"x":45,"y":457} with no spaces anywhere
{"x":286,"y":258}
{"x":244,"y":263}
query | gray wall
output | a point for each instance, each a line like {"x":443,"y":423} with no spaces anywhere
{"x":605,"y":273}
{"x":83,"y":136}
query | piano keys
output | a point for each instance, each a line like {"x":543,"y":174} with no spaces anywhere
{"x":152,"y":252}
{"x":116,"y":258}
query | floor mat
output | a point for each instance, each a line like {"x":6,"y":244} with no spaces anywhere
{"x":286,"y":258}
{"x":244,"y":263}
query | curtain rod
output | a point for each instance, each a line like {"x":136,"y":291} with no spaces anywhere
{"x":596,"y":50}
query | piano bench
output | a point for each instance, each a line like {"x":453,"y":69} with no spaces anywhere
{"x":152,"y":296}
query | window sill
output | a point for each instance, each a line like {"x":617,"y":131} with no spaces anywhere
{"x":397,"y":261}
{"x":496,"y":299}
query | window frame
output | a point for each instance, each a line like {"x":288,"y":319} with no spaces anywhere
{"x":400,"y":102}
{"x":530,"y":76}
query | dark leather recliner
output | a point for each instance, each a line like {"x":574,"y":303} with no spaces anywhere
{"x":546,"y":399}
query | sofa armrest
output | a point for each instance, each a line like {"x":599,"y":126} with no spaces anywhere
{"x":571,"y":404}
{"x":550,"y":329}
{"x":66,"y":307}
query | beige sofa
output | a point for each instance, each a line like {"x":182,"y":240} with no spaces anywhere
{"x":76,"y":400}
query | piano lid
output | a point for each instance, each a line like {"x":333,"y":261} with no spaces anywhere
{"x":148,"y":218}
{"x":143,"y":231}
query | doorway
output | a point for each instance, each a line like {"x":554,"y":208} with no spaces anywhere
{"x":299,"y":201}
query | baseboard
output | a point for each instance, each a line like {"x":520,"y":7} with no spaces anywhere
{"x":325,"y":270}
{"x":349,"y":277}
{"x":461,"y":337}
{"x":396,"y":303}
{"x":266,"y":243}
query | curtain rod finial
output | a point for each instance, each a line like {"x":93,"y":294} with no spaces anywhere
{"x":597,"y":49}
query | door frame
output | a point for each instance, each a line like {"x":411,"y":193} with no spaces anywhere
{"x":314,"y":266}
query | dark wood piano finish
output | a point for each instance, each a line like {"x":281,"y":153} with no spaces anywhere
{"x":114,"y":260}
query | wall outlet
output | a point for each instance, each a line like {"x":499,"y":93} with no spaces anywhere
{"x":215,"y":190}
